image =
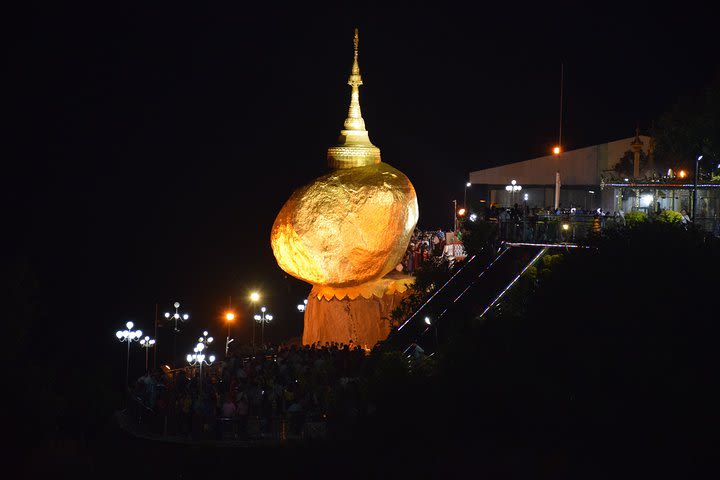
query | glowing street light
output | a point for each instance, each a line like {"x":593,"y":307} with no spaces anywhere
{"x":429,"y":323}
{"x":512,"y":188}
{"x":128,"y":335}
{"x":176,"y":317}
{"x":302,"y":306}
{"x":263,"y":318}
{"x":556,"y":150}
{"x":467,"y":185}
{"x":254,"y":298}
{"x":229,"y":317}
{"x":198,"y":357}
{"x":147,"y":343}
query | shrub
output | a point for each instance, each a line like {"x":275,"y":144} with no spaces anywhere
{"x":669,"y":216}
{"x":634,"y":218}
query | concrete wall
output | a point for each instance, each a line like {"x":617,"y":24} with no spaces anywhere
{"x":577,"y":167}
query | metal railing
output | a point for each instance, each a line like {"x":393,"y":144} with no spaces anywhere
{"x":552,"y":228}
{"x":569,"y":228}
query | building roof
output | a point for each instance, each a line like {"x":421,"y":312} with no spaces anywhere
{"x":577,"y":167}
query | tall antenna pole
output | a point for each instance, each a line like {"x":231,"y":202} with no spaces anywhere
{"x":561,"y":102}
{"x":156,"y":348}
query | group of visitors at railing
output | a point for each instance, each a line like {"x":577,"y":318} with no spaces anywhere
{"x":562,"y":224}
{"x":309,"y":392}
{"x":522,"y":223}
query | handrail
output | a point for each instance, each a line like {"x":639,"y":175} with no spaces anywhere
{"x":464,"y":265}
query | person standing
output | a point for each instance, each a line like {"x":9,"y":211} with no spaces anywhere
{"x":685,"y":220}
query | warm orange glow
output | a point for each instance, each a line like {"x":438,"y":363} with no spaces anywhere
{"x":229,"y":316}
{"x":556,"y":150}
{"x":347,"y":227}
{"x":254,"y":296}
{"x":682,"y":174}
{"x":461,"y":212}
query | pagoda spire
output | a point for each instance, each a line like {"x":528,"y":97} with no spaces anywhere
{"x":354,"y":121}
{"x":354,"y":148}
{"x":636,"y":146}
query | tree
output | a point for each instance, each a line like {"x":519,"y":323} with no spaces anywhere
{"x":689,"y":129}
{"x":625,"y":167}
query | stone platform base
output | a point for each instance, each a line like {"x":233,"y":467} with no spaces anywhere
{"x":359,"y":314}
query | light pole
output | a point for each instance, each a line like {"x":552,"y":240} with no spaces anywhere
{"x":512,"y":188}
{"x":263,"y":318}
{"x":429,"y":323}
{"x":128,"y":335}
{"x":177,"y":316}
{"x":302,"y":306}
{"x":198,"y":357}
{"x":254,"y":298}
{"x":454,"y":216}
{"x":697,"y":167}
{"x":146,"y":343}
{"x":229,"y":317}
{"x":460,"y":213}
{"x":467,"y":185}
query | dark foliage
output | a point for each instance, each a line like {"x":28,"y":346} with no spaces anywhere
{"x":689,"y":129}
{"x":613,"y":345}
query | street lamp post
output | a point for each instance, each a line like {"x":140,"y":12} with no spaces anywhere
{"x":177,"y":316}
{"x":263,"y":318}
{"x":694,"y":205}
{"x":128,"y":335}
{"x":512,"y":188}
{"x":147,"y":343}
{"x":229,"y":317}
{"x":254,"y":298}
{"x":454,"y":215}
{"x":198,"y":357}
{"x":429,"y":323}
{"x":467,"y":185}
{"x":302,"y":306}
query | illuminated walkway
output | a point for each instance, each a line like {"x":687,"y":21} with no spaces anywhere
{"x":473,"y":289}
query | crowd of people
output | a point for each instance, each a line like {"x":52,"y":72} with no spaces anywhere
{"x":422,"y":246}
{"x":306,"y":392}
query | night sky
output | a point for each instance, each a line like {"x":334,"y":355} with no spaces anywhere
{"x":152,"y":146}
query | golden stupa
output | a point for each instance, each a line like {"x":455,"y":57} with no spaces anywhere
{"x":352,"y":225}
{"x":346,"y":230}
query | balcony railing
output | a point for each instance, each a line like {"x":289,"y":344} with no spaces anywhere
{"x":570,"y":228}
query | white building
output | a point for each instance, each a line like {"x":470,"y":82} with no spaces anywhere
{"x":614,"y":176}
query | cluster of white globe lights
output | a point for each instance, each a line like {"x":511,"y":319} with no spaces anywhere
{"x":199,"y":356}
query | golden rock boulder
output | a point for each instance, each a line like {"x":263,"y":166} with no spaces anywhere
{"x":348,"y":227}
